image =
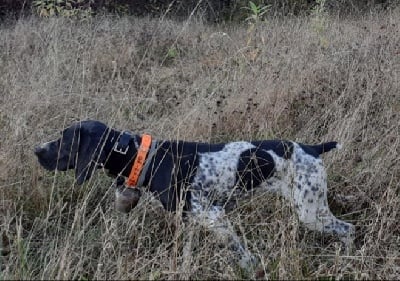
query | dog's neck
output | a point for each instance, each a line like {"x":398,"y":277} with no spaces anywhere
{"x":117,"y":163}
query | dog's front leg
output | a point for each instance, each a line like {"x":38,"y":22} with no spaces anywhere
{"x":187,"y":255}
{"x":215,"y":220}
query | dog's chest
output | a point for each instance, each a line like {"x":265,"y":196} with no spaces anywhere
{"x":217,"y":171}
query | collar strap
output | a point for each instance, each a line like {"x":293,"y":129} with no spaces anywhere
{"x":140,"y":160}
{"x":146,"y":166}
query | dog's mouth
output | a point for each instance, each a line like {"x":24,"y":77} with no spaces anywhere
{"x":47,"y":164}
{"x":51,"y":163}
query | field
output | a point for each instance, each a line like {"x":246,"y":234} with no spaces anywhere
{"x":309,"y":79}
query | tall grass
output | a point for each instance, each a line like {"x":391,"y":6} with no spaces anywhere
{"x":194,"y":81}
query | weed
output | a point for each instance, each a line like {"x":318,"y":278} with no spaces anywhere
{"x":256,"y":12}
{"x":320,"y":22}
{"x":65,"y":8}
{"x":255,"y":18}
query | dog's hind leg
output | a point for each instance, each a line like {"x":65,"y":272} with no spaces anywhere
{"x":311,"y":205}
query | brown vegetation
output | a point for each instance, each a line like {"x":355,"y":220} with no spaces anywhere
{"x":297,"y":79}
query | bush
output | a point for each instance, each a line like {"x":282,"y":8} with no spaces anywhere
{"x":211,"y":10}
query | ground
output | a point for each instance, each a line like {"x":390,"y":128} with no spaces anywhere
{"x":304,"y":79}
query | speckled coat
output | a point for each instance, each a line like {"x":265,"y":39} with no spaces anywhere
{"x":203,"y":177}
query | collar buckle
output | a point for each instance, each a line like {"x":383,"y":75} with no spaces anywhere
{"x":122,"y":145}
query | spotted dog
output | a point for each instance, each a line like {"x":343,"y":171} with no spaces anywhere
{"x":205,"y":177}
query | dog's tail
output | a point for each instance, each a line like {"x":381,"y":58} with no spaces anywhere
{"x":326,"y":147}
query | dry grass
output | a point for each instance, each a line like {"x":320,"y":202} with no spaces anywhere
{"x":193,"y":81}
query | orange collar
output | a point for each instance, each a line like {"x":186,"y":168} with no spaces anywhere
{"x":137,"y":166}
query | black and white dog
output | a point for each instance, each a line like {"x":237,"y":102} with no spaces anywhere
{"x":205,"y":176}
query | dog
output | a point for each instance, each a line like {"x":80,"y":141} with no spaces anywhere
{"x":203,"y":177}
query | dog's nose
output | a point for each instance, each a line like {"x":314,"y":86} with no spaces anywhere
{"x":38,"y":150}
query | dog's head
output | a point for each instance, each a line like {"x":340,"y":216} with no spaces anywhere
{"x":78,"y":145}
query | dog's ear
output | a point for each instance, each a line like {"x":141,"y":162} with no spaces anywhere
{"x":90,"y":151}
